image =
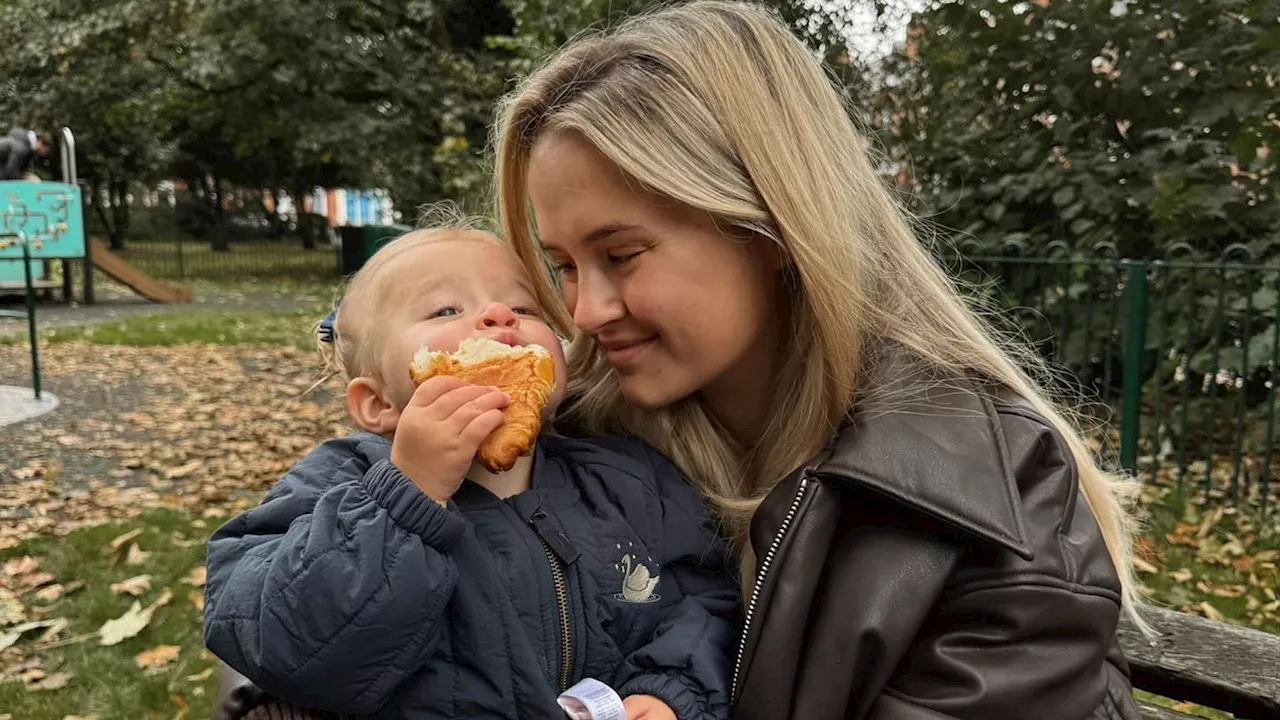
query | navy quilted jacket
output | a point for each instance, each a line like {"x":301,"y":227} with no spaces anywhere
{"x":351,"y":591}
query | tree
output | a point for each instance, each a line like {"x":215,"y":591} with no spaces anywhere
{"x":1139,"y":123}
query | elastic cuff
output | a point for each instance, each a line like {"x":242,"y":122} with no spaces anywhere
{"x":673,"y":690}
{"x":411,"y":508}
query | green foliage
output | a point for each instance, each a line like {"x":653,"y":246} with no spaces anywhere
{"x":1139,"y":123}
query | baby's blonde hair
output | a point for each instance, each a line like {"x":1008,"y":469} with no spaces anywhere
{"x":352,"y":349}
{"x":720,"y":107}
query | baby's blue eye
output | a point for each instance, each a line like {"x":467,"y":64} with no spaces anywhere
{"x":525,"y":311}
{"x":445,"y":312}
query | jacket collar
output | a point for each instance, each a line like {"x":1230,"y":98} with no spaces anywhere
{"x":935,"y":444}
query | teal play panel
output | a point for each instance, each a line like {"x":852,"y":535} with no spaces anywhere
{"x":11,"y":272}
{"x":47,"y":215}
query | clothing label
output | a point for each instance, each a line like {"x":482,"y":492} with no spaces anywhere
{"x":592,"y":700}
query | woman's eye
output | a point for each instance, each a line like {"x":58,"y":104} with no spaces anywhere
{"x":566,"y":268}
{"x":445,"y":312}
{"x":622,"y":258}
{"x":532,"y":312}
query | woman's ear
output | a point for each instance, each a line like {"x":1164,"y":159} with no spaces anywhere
{"x":369,"y":408}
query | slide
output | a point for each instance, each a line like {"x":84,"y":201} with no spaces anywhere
{"x":138,"y":281}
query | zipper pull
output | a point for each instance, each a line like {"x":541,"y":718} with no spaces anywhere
{"x":549,"y":530}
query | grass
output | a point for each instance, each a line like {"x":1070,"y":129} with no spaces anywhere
{"x":262,"y":259}
{"x":227,"y":318}
{"x":192,"y":326}
{"x":106,"y":680}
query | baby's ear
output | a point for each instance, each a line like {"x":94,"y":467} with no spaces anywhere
{"x":369,"y":408}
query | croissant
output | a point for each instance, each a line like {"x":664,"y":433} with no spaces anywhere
{"x":527,"y":374}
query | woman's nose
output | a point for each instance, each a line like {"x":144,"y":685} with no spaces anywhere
{"x":497,"y":315}
{"x":594,"y":304}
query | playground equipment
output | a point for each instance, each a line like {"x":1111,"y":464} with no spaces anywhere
{"x":50,"y":216}
{"x":41,"y":221}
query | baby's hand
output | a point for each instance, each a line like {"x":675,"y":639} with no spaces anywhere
{"x":647,"y":707}
{"x":441,"y":429}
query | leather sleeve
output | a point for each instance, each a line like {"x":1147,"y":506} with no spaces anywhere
{"x":994,"y":652}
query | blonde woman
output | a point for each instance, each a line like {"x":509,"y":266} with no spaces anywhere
{"x":924,"y":535}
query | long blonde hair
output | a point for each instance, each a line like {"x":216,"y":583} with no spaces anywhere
{"x":719,"y":106}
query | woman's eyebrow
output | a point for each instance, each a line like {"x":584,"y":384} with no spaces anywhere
{"x":600,"y":233}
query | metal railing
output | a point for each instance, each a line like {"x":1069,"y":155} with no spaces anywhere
{"x":1180,"y":353}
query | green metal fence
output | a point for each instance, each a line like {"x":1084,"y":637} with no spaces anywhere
{"x":1179,"y":353}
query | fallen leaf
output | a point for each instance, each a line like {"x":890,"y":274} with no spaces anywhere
{"x":166,"y":596}
{"x":127,"y":625}
{"x":198,"y":677}
{"x":1211,"y":612}
{"x":1183,"y":575}
{"x":120,"y":541}
{"x":11,"y":636}
{"x":157,"y":656}
{"x":196,"y":576}
{"x":35,"y":580}
{"x":56,"y":681}
{"x":136,"y":555}
{"x":59,"y":624}
{"x":1143,"y":566}
{"x":134,"y":586}
{"x":11,"y":611}
{"x":197,"y":598}
{"x":14,"y":567}
{"x":184,"y":470}
{"x":182,"y":707}
{"x":80,"y":717}
{"x":50,"y":593}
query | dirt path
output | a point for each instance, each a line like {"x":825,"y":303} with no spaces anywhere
{"x":193,"y":425}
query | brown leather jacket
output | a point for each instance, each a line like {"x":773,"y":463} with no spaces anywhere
{"x":936,"y":560}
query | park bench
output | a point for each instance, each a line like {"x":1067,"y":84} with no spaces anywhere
{"x":1190,"y":659}
{"x":1206,"y":662}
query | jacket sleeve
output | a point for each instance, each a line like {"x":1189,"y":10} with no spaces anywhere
{"x":332,"y":591}
{"x":688,"y":660}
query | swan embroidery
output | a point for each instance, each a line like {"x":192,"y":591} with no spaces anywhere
{"x":637,"y":583}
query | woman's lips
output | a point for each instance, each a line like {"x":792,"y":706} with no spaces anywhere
{"x":625,"y":352}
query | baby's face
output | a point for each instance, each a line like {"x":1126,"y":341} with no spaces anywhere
{"x":453,"y":290}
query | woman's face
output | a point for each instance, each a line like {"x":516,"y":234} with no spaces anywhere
{"x":678,"y":305}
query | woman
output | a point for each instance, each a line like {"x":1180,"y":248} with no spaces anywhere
{"x":924,"y":534}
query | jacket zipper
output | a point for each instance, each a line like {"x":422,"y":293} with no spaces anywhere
{"x":562,"y":604}
{"x":763,"y":571}
{"x":560,"y":554}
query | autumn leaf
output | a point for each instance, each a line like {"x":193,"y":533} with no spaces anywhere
{"x":184,"y":470}
{"x":197,"y":598}
{"x":14,"y":567}
{"x":1181,"y":576}
{"x":56,"y":681}
{"x":11,"y":636}
{"x":136,"y":556}
{"x":200,"y":676}
{"x":11,"y":610}
{"x":1211,"y":612}
{"x":134,"y":586}
{"x":127,"y":625}
{"x":157,"y":656}
{"x":50,"y":593}
{"x":196,"y":576}
{"x":1143,"y":566}
{"x":80,"y":717}
{"x":119,"y":542}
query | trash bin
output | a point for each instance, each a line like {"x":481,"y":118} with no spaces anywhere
{"x":359,"y":243}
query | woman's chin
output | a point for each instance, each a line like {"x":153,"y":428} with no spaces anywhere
{"x":648,"y":395}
